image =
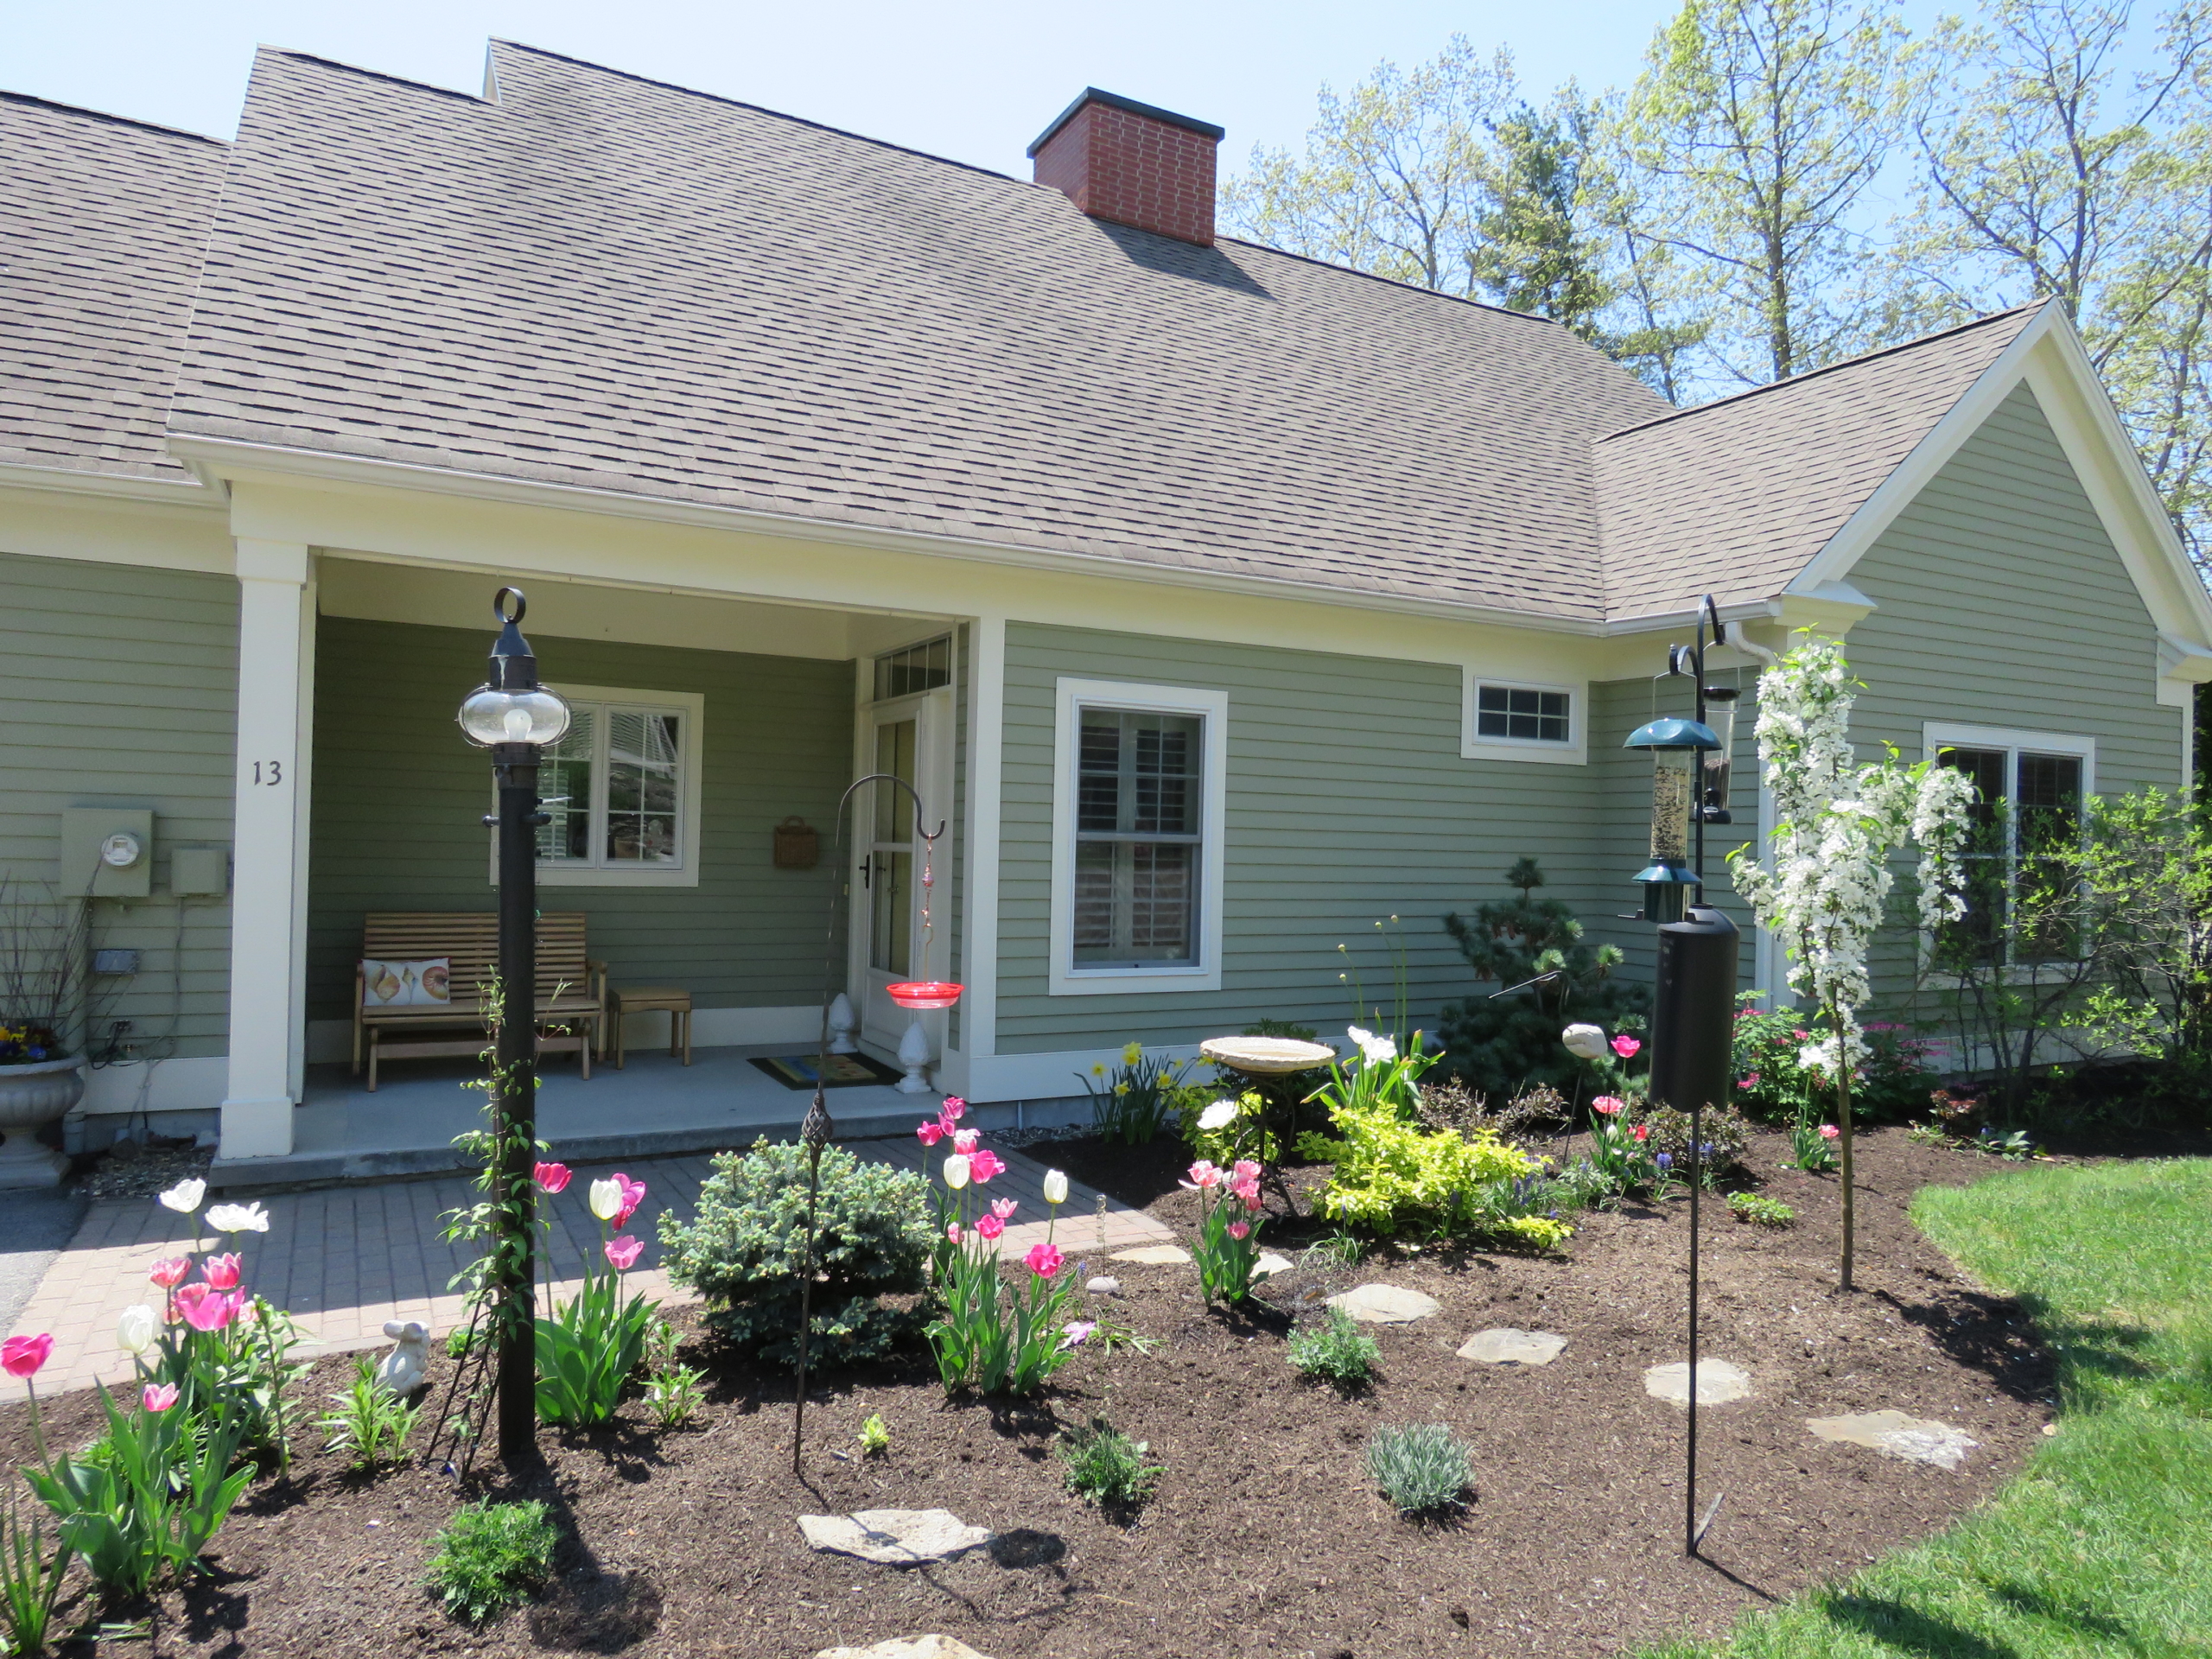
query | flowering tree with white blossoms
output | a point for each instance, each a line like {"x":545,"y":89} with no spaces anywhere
{"x":1836,"y":823}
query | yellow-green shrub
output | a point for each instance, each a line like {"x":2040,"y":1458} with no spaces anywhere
{"x":1391,"y":1174}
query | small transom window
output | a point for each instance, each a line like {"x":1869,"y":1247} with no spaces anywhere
{"x":914,"y":668}
{"x":1522,"y":713}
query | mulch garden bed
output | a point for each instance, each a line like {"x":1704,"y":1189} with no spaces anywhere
{"x":1264,"y":1534}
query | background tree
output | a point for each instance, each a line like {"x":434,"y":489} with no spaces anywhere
{"x":1533,"y":250}
{"x":1761,"y":124}
{"x":1502,"y":1045}
{"x":1391,"y":177}
{"x":2048,"y":170}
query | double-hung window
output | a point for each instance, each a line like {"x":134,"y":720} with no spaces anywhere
{"x":2027,"y":818}
{"x":620,"y":791}
{"x":1137,"y":854}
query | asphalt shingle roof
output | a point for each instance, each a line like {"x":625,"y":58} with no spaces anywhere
{"x":102,"y":221}
{"x":597,"y":280}
{"x":1735,"y":497}
{"x":603,"y":281}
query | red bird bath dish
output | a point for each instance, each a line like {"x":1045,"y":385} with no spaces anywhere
{"x":924,"y":993}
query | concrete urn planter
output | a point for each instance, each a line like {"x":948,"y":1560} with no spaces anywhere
{"x":31,"y":1095}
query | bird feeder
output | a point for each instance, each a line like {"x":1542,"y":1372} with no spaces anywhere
{"x":1720,"y":715}
{"x":1675,"y":746}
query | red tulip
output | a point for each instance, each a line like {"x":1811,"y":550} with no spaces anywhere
{"x":990,"y":1227}
{"x":22,"y":1356}
{"x":983,"y":1163}
{"x":552,"y":1178}
{"x":633,"y":1194}
{"x":930,"y":1133}
{"x":206,"y":1308}
{"x":1625,"y":1045}
{"x":954,"y":1106}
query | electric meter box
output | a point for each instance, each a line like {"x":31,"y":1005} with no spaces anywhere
{"x":107,"y":852}
{"x":198,"y":872}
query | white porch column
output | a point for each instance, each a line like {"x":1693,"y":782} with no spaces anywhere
{"x":979,"y":1020}
{"x":269,"y":916}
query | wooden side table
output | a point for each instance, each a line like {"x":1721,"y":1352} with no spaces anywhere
{"x":650,"y":999}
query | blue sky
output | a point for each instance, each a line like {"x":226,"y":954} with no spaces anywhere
{"x":975,"y":81}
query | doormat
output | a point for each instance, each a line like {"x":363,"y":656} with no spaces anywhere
{"x":845,"y":1070}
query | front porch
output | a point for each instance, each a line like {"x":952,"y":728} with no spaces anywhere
{"x":706,"y":730}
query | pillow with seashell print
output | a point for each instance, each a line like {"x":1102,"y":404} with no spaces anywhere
{"x":426,"y":983}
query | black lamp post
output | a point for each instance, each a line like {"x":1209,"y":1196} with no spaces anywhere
{"x":515,"y":718}
{"x":1694,"y":993}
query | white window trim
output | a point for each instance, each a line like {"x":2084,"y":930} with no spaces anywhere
{"x":1938,"y":735}
{"x":692,"y":705}
{"x":1574,"y":752}
{"x":1212,"y":708}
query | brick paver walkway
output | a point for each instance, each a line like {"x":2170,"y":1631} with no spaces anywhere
{"x":344,"y":1259}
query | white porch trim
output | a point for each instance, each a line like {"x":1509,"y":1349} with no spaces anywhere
{"x":269,"y":916}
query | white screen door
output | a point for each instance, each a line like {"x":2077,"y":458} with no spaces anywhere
{"x":907,"y":737}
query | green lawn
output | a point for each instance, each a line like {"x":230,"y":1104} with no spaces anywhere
{"x":2103,"y":1545}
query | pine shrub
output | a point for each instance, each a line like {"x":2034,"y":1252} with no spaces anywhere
{"x":744,"y":1249}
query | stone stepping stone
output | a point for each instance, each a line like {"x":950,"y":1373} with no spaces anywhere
{"x":1718,"y":1382}
{"x":1894,"y":1434}
{"x":906,"y":1647}
{"x":1386,"y":1304}
{"x":1506,"y":1346}
{"x":1269,"y":1264}
{"x":894,"y":1537}
{"x":1103,"y":1285}
{"x":1154,"y":1255}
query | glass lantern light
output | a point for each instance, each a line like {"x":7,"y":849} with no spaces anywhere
{"x":511,"y":707}
{"x":1675,"y":746}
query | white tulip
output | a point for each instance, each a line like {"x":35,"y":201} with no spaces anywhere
{"x":136,"y":1331}
{"x":1585,"y":1042}
{"x":1219,"y":1116}
{"x":1056,"y":1186}
{"x":184,"y":1198}
{"x":956,"y":1171}
{"x":238,"y":1218}
{"x":606,"y":1199}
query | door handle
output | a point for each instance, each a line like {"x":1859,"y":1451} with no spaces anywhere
{"x":865,"y":862}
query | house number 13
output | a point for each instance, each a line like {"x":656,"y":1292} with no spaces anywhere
{"x":268,"y":772}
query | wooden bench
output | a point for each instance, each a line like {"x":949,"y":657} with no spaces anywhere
{"x":571,"y":992}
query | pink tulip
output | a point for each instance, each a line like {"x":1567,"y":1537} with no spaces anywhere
{"x":622,"y":1251}
{"x":1625,"y":1045}
{"x":1751,"y":1081}
{"x":159,"y":1397}
{"x":1204,"y":1175}
{"x":1829,"y":1132}
{"x":169,"y":1272}
{"x":952,"y":1231}
{"x":1607,"y":1105}
{"x":965,"y":1140}
{"x":553,"y":1177}
{"x":1043,"y":1260}
{"x":990,"y":1227}
{"x":22,"y":1356}
{"x":206,"y":1308}
{"x":633,"y":1194}
{"x":1076,"y":1332}
{"x":983,"y":1163}
{"x":930,"y":1133}
{"x":1252,"y":1201}
{"x":1004,"y":1208}
{"x":222,"y":1271}
{"x":1246,"y":1171}
{"x":1240,"y":1229}
{"x":952,"y":1108}
{"x":1642,"y":1131}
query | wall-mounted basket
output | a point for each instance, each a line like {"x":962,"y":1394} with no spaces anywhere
{"x":798,"y":846}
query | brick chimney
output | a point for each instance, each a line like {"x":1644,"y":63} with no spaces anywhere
{"x":1126,"y":161}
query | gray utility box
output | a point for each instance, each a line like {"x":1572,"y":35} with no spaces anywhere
{"x":200,"y":872}
{"x":107,"y":852}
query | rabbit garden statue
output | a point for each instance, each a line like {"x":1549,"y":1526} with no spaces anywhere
{"x":402,"y":1369}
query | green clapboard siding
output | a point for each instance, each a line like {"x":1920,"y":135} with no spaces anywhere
{"x":399,"y":798}
{"x":1348,"y":801}
{"x":2003,"y":602}
{"x":120,"y":684}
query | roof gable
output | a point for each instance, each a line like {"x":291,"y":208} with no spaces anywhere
{"x":1737,"y":498}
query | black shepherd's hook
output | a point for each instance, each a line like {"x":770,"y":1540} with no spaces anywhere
{"x":816,"y":1131}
